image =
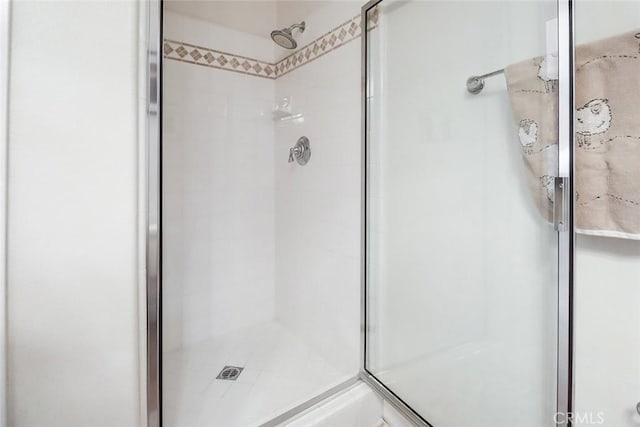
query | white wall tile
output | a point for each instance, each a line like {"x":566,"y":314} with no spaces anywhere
{"x":320,"y":17}
{"x":219,"y":202}
{"x":318,"y":207}
{"x":202,"y":33}
{"x":173,"y":26}
{"x":315,"y":229}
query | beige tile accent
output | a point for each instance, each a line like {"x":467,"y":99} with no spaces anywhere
{"x":339,"y":36}
{"x":186,"y":52}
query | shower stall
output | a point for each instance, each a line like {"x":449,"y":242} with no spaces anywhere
{"x":386,"y":193}
{"x":260,"y":208}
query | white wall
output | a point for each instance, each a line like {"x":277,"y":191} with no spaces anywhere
{"x":320,"y":16}
{"x":318,"y":205}
{"x":200,"y":32}
{"x":72,"y":245}
{"x":250,"y":17}
{"x":219,"y":247}
{"x":607,"y":288}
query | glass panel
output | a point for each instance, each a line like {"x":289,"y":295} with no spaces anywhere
{"x":462,"y":254}
{"x":608,"y":269}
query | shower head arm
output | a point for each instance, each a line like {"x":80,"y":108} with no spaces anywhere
{"x":301,"y":26}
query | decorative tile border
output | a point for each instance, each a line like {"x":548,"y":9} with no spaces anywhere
{"x":193,"y":54}
{"x":339,"y":36}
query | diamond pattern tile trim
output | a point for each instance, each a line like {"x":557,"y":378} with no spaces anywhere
{"x":339,"y":36}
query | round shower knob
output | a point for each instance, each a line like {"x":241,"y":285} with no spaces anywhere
{"x":301,"y":152}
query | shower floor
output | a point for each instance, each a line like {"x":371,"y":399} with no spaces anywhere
{"x":280,"y":372}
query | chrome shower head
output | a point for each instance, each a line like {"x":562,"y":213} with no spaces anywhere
{"x":284,"y":38}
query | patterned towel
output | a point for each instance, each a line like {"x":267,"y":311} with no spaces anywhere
{"x":607,"y":127}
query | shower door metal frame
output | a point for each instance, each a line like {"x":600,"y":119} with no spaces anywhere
{"x":366,"y":376}
{"x":565,"y":235}
{"x":5,"y":37}
{"x":153,"y":226}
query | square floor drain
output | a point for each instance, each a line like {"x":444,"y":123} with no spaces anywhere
{"x":230,"y":373}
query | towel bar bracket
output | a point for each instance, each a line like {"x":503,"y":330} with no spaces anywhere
{"x":475,"y":84}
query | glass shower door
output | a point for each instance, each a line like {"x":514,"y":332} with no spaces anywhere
{"x":467,"y":248}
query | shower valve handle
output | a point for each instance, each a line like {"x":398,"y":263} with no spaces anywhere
{"x":294,"y":152}
{"x":301,"y":152}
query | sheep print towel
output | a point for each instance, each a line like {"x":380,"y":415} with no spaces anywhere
{"x":607,"y":133}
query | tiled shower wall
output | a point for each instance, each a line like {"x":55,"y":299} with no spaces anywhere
{"x":251,"y":237}
{"x":318,"y":205}
{"x":218,"y":190}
